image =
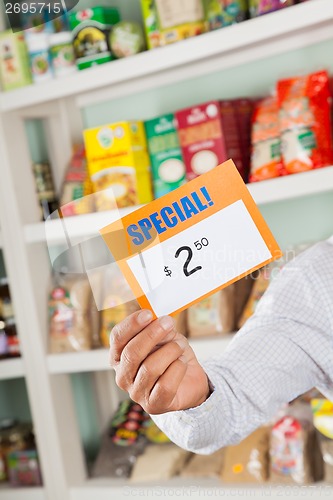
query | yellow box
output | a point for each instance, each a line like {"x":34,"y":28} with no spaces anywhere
{"x":118,"y":164}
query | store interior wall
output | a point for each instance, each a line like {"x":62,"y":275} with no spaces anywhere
{"x":302,"y":220}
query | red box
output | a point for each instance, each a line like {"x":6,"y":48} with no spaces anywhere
{"x":244,"y":110}
{"x":209,"y":135}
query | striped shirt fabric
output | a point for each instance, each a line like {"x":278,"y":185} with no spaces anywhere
{"x":283,"y":350}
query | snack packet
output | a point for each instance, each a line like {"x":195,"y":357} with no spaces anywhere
{"x":305,"y":122}
{"x":70,"y":325}
{"x":266,"y":161}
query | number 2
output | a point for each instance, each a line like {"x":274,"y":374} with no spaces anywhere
{"x":188,"y":260}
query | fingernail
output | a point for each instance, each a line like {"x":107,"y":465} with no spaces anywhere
{"x":166,"y":323}
{"x":144,"y":316}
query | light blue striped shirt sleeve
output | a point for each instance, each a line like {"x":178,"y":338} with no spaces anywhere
{"x":284,"y":350}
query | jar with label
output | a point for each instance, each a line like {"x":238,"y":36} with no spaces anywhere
{"x":62,"y":53}
{"x":38,"y":47}
{"x":45,"y":188}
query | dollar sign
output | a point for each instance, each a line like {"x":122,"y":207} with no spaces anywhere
{"x":167,"y":271}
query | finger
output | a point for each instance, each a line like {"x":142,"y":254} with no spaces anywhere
{"x":136,"y":351}
{"x":153,"y":367}
{"x":122,"y":333}
{"x":163,"y":395}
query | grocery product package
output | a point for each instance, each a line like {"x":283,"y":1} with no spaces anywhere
{"x":113,"y":298}
{"x":118,"y":164}
{"x":244,"y":109}
{"x":243,"y":289}
{"x":212,"y":315}
{"x":305,"y":122}
{"x":169,"y":21}
{"x":72,"y":315}
{"x":248,"y":461}
{"x":266,"y":159}
{"x":220,"y":13}
{"x":260,"y":7}
{"x":295,"y":455}
{"x":261,"y":280}
{"x":114,"y":461}
{"x":91,"y":30}
{"x":323,"y":421}
{"x":204,"y":465}
{"x":14,"y":61}
{"x":127,"y":39}
{"x":208,"y":135}
{"x":168,"y":169}
{"x":75,"y":199}
{"x":159,"y":462}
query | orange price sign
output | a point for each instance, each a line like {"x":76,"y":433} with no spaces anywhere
{"x":191,"y":242}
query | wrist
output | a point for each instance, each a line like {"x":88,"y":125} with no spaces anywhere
{"x":207,"y":392}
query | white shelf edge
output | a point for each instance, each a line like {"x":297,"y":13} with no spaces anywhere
{"x":97,"y":360}
{"x":31,"y":493}
{"x":11,"y":368}
{"x":281,"y":31}
{"x":269,"y":191}
{"x":196,"y":488}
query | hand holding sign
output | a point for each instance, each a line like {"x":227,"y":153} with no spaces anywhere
{"x":188,"y":244}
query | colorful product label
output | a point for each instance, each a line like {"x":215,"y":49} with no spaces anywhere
{"x":167,"y":164}
{"x":118,"y":164}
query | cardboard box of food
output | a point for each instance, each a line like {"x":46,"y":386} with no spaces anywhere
{"x":14,"y":61}
{"x":118,"y":164}
{"x":169,"y":21}
{"x":168,"y":169}
{"x":208,"y":134}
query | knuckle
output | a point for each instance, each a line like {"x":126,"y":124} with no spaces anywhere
{"x":128,"y":356}
{"x":163,"y":393}
{"x":121,"y":380}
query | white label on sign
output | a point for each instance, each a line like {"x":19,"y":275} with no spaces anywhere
{"x":199,"y":259}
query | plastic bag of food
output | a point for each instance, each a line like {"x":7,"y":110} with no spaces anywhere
{"x":70,"y":326}
{"x":305,"y":122}
{"x":115,"y":461}
{"x":247,"y":462}
{"x":323,"y":421}
{"x":116,"y":301}
{"x":212,"y":315}
{"x":266,"y":161}
{"x":260,"y":7}
{"x":294,"y":452}
{"x":261,"y":282}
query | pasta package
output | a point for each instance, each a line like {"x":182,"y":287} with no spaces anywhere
{"x":118,"y":165}
{"x":266,"y":160}
{"x":305,"y":122}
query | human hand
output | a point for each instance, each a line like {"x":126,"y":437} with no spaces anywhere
{"x":156,"y":365}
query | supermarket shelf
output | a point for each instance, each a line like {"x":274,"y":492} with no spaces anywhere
{"x":11,"y":368}
{"x":274,"y":190}
{"x":283,"y":31}
{"x":195,"y":488}
{"x":33,"y":493}
{"x":92,"y":361}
